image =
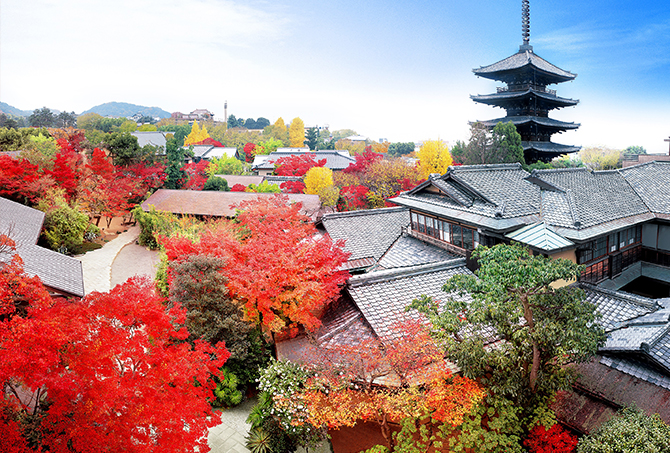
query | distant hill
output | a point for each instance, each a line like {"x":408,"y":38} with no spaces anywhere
{"x":124,"y":109}
{"x":8,"y":109}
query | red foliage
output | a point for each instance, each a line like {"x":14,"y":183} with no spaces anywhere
{"x":19,"y":179}
{"x":209,"y":141}
{"x":73,"y":137}
{"x":554,"y":440}
{"x":292,"y":187}
{"x":297,"y":165}
{"x":249,"y":152}
{"x":115,"y":373}
{"x":68,"y":167}
{"x":352,"y":198}
{"x":285,"y":273}
{"x":363,"y":161}
{"x":101,"y":165}
{"x":238,"y":188}
{"x":197,"y":175}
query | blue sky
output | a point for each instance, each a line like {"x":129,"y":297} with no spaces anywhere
{"x":395,"y":70}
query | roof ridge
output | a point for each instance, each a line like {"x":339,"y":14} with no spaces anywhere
{"x":634,"y":298}
{"x":462,"y":168}
{"x":559,"y":170}
{"x":362,"y":212}
{"x":403,"y":272}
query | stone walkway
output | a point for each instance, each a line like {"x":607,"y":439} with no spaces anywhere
{"x":228,"y":437}
{"x":97,"y":264}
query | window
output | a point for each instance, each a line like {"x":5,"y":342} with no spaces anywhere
{"x":613,"y":241}
{"x":600,"y":247}
{"x":468,"y":239}
{"x":422,"y":223}
{"x":456,"y":238}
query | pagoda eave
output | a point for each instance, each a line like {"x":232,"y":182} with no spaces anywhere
{"x":545,"y":123}
{"x":549,"y":147}
{"x":522,"y":63}
{"x":515,"y":96}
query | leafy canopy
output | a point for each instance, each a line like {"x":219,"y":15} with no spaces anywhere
{"x":516,"y":328}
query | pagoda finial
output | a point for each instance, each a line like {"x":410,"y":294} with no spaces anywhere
{"x":525,"y":25}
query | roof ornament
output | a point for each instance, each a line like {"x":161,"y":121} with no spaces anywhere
{"x":525,"y":25}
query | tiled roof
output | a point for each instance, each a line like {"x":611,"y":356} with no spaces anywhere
{"x":651,"y":181}
{"x":218,"y":152}
{"x":245,"y":180}
{"x":498,"y":192}
{"x":153,"y":138}
{"x":542,"y":121}
{"x":550,"y":147}
{"x":494,"y":98}
{"x":408,"y":251}
{"x":382,"y":296}
{"x":617,"y":307}
{"x":218,"y":204}
{"x":368,"y":233}
{"x":588,"y":198}
{"x":23,"y":225}
{"x":335,"y":160}
{"x":519,"y":60}
{"x":540,"y":236}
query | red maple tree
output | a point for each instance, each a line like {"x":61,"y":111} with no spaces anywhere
{"x":292,"y":187}
{"x":108,"y":373}
{"x":297,"y":165}
{"x":353,"y":198}
{"x":363,"y":161}
{"x":20,"y":180}
{"x":552,"y":440}
{"x":197,"y":175}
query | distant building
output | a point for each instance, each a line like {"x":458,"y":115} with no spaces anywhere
{"x":195,"y":115}
{"x":153,"y":138}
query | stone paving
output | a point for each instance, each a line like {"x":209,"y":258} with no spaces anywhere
{"x":228,"y":437}
{"x":97,"y":264}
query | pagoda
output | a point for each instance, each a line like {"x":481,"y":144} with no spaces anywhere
{"x":527,"y":99}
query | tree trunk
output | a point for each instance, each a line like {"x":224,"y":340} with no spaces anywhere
{"x":535,"y":366}
{"x":386,"y":431}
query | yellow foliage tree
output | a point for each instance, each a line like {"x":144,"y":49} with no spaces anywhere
{"x":351,"y":146}
{"x":277,"y":131}
{"x":381,"y":148}
{"x":434,"y":157}
{"x":318,"y":178}
{"x":197,"y":135}
{"x":296,"y":133}
{"x":600,"y":158}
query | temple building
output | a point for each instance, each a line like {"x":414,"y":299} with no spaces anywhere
{"x":526,"y":98}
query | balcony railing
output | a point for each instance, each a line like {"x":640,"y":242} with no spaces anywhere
{"x":527,"y":86}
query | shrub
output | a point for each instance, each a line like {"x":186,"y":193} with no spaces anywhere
{"x":552,"y":440}
{"x":216,"y":183}
{"x":227,"y":392}
{"x":631,"y":431}
{"x":64,"y":226}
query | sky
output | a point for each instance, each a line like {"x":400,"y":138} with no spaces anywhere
{"x":386,"y":69}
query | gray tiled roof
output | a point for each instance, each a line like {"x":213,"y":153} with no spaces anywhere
{"x":383,"y":295}
{"x":368,"y":233}
{"x":637,"y":369}
{"x":408,"y":251}
{"x":521,"y":59}
{"x":493,"y":98}
{"x":492,"y":191}
{"x":153,"y":138}
{"x":334,"y":160}
{"x":540,"y":236}
{"x":23,"y":224}
{"x":617,"y":307}
{"x":542,"y":121}
{"x":550,"y":147}
{"x":588,"y":198}
{"x":651,"y":181}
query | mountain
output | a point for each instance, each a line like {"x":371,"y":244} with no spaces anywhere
{"x":125,"y":109}
{"x":8,"y":109}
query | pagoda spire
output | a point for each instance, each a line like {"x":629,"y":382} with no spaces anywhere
{"x":525,"y":25}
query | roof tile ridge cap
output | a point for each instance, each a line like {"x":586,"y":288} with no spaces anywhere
{"x":642,"y":164}
{"x":657,"y":337}
{"x":476,"y":167}
{"x":634,"y":298}
{"x":559,"y":170}
{"x":363,"y":212}
{"x":404,"y":272}
{"x":576,"y":221}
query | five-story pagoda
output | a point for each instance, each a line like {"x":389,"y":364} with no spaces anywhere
{"x":527,"y":99}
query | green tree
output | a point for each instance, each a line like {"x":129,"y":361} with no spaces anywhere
{"x":216,"y":183}
{"x":262,"y":123}
{"x":43,"y":117}
{"x":538,"y":327}
{"x":342,"y":133}
{"x":631,"y":150}
{"x":128,"y":126}
{"x":631,"y":431}
{"x":502,"y":144}
{"x":263,"y":187}
{"x":311,"y":138}
{"x":401,"y":149}
{"x":64,"y":226}
{"x":176,"y":157}
{"x":234,"y":122}
{"x":225,"y":165}
{"x":123,"y":147}
{"x":65,"y":119}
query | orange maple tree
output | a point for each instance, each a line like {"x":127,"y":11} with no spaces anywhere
{"x":107,"y":373}
{"x":404,"y":376}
